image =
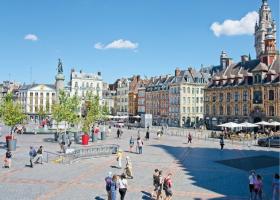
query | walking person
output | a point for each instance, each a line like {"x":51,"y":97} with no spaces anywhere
{"x":108,"y":181}
{"x":32,"y":155}
{"x":189,"y":138}
{"x":147,"y":135}
{"x":222,"y":143}
{"x":39,"y":155}
{"x":118,"y":133}
{"x":114,"y":187}
{"x":7,"y":159}
{"x":140,"y":145}
{"x":167,"y":185}
{"x":128,"y":168}
{"x":252,"y":179}
{"x":131,"y":144}
{"x":258,"y":185}
{"x":119,"y":158}
{"x":160,"y":180}
{"x":276,"y":187}
{"x":122,"y":186}
{"x":155,"y":183}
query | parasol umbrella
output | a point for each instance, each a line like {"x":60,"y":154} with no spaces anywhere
{"x":230,"y":125}
{"x":248,"y":125}
{"x":274,"y":123}
{"x":263,"y":123}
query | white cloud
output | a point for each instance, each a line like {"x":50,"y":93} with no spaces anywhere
{"x":117,"y":44}
{"x":244,"y":26}
{"x":31,"y":37}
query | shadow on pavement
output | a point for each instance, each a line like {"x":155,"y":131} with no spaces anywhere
{"x":99,"y":198}
{"x":225,"y":172}
{"x":146,"y":196}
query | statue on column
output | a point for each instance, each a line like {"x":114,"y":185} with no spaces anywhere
{"x":59,"y":67}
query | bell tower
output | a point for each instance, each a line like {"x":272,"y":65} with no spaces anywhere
{"x":265,"y":24}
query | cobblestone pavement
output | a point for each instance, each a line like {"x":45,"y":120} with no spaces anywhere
{"x":196,"y":168}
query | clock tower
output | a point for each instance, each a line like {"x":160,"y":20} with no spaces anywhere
{"x":265,"y":25}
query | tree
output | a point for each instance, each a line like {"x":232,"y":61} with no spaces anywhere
{"x":93,"y":112}
{"x":11,"y":112}
{"x":42,"y":113}
{"x":65,"y":110}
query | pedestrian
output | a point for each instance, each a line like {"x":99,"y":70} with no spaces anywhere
{"x":159,"y":188}
{"x":276,"y":187}
{"x":108,"y":181}
{"x":167,"y":187}
{"x":140,"y":145}
{"x":252,"y":179}
{"x":258,"y":187}
{"x":131,"y":144}
{"x":32,"y":155}
{"x":222,"y":143}
{"x":128,"y":167}
{"x":8,"y":159}
{"x":155,"y":183}
{"x":122,"y":186}
{"x":109,"y":131}
{"x":114,"y":187}
{"x":147,"y":134}
{"x":189,"y":138}
{"x":39,"y":155}
{"x":118,"y":133}
{"x":119,"y":158}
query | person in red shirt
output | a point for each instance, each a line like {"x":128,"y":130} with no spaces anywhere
{"x":167,"y":185}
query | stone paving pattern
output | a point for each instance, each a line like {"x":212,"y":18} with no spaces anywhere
{"x":196,"y":172}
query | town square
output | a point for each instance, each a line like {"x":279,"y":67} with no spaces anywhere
{"x":152,"y":100}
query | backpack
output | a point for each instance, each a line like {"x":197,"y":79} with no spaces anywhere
{"x":166,"y":183}
{"x":108,"y":184}
{"x":156,"y":179}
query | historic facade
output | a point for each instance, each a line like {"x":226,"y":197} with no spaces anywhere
{"x":82,"y":84}
{"x":186,"y":97}
{"x":250,"y":89}
{"x":122,"y":96}
{"x":37,"y":97}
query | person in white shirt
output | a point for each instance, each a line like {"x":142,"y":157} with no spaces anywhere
{"x":122,"y":186}
{"x":252,"y":178}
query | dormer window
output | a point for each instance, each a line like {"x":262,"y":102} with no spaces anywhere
{"x":257,"y":78}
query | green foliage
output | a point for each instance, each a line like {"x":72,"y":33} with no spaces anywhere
{"x":42,"y":114}
{"x":11,"y":112}
{"x":66,"y":109}
{"x":94,"y":112}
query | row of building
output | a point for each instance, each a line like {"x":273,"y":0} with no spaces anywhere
{"x":248,"y":90}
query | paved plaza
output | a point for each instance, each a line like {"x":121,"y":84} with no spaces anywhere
{"x":200,"y":170}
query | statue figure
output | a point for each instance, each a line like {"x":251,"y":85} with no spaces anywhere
{"x":59,"y":67}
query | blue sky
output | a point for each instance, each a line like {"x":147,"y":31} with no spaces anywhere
{"x":152,"y":37}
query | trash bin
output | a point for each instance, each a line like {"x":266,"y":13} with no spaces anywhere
{"x":103,"y":135}
{"x":11,"y":143}
{"x":77,"y":137}
{"x":94,"y":137}
{"x":55,"y":136}
{"x":85,"y":139}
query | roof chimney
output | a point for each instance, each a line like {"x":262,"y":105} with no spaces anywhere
{"x":177,"y":72}
{"x":244,"y":58}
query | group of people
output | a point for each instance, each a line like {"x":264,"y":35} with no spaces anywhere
{"x":114,"y":184}
{"x":139,"y":144}
{"x":161,"y":183}
{"x":36,"y":155}
{"x":128,"y":165}
{"x":256,"y":186}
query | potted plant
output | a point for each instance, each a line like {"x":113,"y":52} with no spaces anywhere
{"x":12,"y":115}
